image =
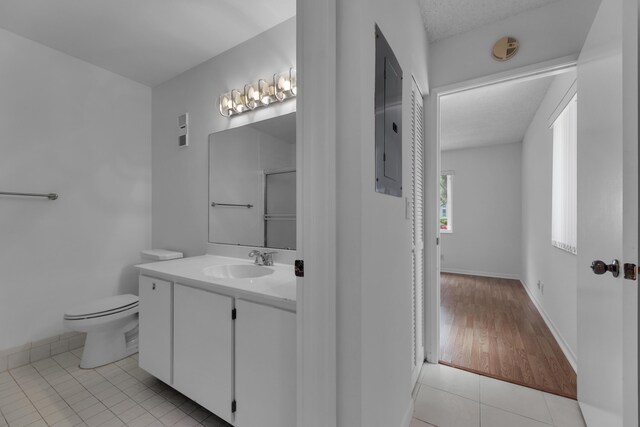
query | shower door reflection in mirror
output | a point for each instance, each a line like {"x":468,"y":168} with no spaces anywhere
{"x":252,"y":184}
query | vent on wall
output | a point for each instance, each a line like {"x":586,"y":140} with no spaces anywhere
{"x":183,"y":131}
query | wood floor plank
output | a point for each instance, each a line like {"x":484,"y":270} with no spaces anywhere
{"x":491,"y":327}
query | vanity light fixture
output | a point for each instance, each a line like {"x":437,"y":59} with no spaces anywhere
{"x":260,"y":94}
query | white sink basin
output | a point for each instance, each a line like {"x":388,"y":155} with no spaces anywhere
{"x":237,"y":271}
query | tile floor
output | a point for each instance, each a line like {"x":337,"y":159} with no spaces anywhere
{"x":56,"y":392}
{"x":450,"y":397}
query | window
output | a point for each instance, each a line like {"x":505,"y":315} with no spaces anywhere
{"x":564,"y":185}
{"x":446,"y":223}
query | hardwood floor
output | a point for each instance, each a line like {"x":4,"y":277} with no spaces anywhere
{"x":490,"y":326}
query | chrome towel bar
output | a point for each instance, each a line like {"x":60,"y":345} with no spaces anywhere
{"x":214,"y":204}
{"x":50,"y":196}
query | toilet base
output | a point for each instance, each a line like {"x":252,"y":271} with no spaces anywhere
{"x":108,"y":346}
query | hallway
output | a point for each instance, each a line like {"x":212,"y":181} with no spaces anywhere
{"x":489,"y":326}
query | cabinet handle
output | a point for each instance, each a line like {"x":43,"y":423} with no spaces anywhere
{"x":154,"y":287}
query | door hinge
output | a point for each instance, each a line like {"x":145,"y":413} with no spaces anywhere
{"x":233,"y":406}
{"x":630,"y":271}
{"x":437,"y":241}
{"x":234,"y":314}
{"x":299,"y":268}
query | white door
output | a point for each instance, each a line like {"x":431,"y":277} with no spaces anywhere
{"x":608,"y":217}
{"x":417,"y":219}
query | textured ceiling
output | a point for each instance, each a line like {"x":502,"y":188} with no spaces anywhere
{"x":444,"y":18}
{"x":497,"y":114}
{"x":149,"y":41}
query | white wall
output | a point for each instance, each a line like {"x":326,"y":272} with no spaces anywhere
{"x":373,"y":236}
{"x":486,"y":190}
{"x":181,"y":175}
{"x":83,"y":132}
{"x":555,"y":268}
{"x":553,"y":31}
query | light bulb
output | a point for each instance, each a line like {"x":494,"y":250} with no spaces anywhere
{"x":264,"y":92}
{"x":251,"y":96}
{"x":224,"y":104}
{"x":237,"y":101}
{"x":293,"y":80}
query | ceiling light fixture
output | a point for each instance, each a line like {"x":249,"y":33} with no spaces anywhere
{"x":261,"y":94}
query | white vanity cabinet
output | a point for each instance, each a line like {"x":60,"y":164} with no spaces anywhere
{"x":203,"y":348}
{"x":265,"y":342}
{"x":155,"y":345}
{"x":231,"y":350}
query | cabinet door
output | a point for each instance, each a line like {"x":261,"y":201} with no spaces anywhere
{"x":265,"y":366}
{"x":203,"y":348}
{"x":155,"y":327}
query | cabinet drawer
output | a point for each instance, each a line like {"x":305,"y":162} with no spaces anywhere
{"x":155,"y":327}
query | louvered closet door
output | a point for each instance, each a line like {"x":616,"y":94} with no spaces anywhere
{"x":417,"y":133}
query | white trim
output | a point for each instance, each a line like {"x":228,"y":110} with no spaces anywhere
{"x":566,"y":99}
{"x":316,"y":392}
{"x":432,"y":228}
{"x":519,"y":75}
{"x":480,"y":273}
{"x":408,"y":415}
{"x":432,"y":232}
{"x":571,"y":357}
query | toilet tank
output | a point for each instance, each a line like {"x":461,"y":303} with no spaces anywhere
{"x":156,"y":255}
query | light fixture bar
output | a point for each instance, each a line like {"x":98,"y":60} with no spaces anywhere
{"x":261,"y":94}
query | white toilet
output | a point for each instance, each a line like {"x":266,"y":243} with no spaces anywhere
{"x":111,"y":323}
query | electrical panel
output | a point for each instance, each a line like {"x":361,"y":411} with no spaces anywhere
{"x":388,"y":119}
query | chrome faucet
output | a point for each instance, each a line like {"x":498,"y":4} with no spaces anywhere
{"x":262,"y":258}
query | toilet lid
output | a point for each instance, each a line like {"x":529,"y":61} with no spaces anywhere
{"x":103,"y":306}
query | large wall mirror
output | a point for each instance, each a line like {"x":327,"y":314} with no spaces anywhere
{"x":252,"y":184}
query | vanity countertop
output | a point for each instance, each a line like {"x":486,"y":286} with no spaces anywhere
{"x":278,"y":288}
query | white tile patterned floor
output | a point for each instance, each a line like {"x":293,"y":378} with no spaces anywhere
{"x":56,"y":392}
{"x":449,"y":397}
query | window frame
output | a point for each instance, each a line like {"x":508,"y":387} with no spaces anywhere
{"x":560,"y":192}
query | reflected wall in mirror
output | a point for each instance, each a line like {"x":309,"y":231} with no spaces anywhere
{"x":252,"y":184}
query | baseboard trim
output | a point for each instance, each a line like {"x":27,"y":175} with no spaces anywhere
{"x":408,"y":415}
{"x":33,"y":351}
{"x":479,"y":273}
{"x":552,"y":327}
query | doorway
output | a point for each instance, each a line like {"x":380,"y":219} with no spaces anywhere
{"x":496,"y":311}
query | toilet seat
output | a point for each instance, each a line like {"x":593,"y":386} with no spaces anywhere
{"x":103,"y":307}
